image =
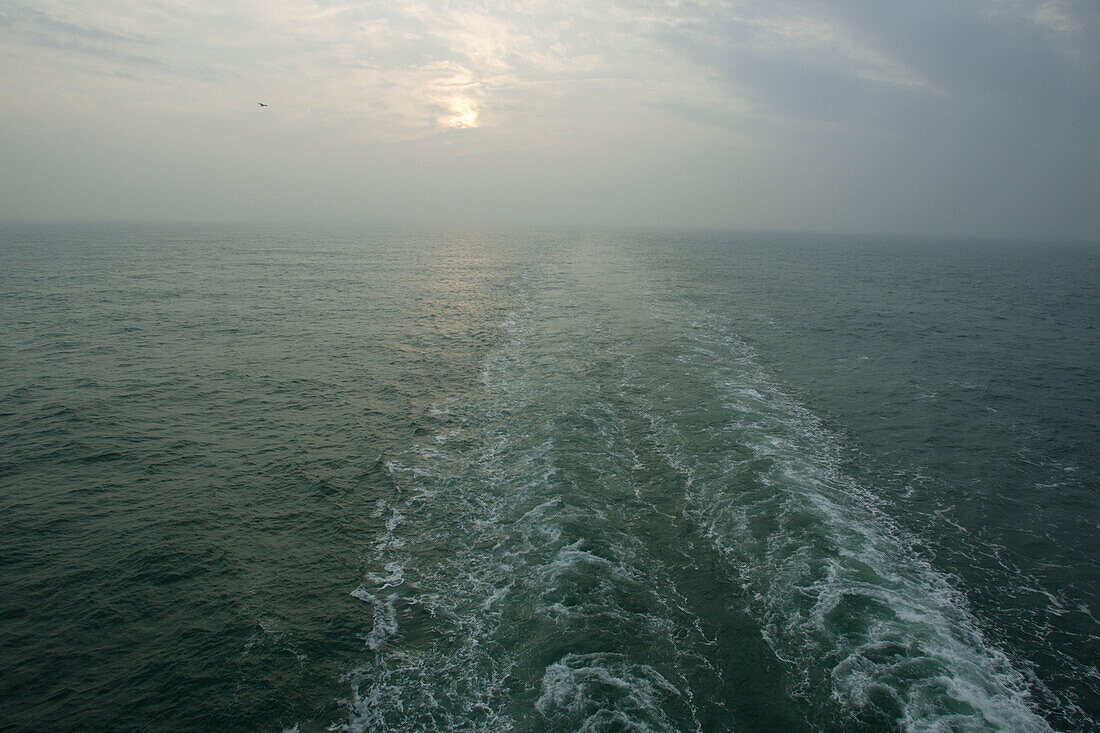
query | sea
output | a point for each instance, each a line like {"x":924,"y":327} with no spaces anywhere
{"x":304,"y":478}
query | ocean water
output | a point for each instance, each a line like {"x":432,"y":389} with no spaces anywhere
{"x":336,"y":479}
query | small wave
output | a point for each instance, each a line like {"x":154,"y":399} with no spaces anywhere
{"x":596,"y":692}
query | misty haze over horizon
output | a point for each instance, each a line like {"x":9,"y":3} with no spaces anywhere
{"x":959,"y":119}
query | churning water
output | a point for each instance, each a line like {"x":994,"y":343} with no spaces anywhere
{"x":278,"y":478}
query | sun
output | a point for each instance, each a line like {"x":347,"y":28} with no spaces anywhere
{"x":463,"y":115}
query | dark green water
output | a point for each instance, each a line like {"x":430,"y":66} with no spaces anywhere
{"x":267,"y":478}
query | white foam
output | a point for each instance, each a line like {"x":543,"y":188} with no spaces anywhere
{"x":838,"y":592}
{"x":591,"y":692}
{"x":486,"y":553}
{"x":385,"y":618}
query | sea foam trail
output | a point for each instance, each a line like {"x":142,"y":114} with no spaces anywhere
{"x":510,"y":591}
{"x":572,"y":543}
{"x":876,"y":635}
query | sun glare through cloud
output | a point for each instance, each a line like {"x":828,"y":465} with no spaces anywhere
{"x":463,"y":115}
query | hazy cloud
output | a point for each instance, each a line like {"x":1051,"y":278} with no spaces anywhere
{"x":849,"y":115}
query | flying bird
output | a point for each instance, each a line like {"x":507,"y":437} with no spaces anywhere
{"x":261,"y":104}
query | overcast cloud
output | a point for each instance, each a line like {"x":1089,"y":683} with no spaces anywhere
{"x":974,"y":117}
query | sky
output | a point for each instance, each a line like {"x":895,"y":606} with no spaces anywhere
{"x":945,"y":117}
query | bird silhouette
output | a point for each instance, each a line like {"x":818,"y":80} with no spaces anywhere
{"x":261,"y":104}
